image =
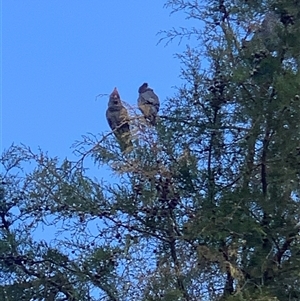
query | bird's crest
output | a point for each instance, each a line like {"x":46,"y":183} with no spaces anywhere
{"x":115,"y":93}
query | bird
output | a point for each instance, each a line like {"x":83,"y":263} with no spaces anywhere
{"x":118,"y":120}
{"x":148,"y":103}
{"x":268,"y":31}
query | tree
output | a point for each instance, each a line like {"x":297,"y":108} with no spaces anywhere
{"x":206,"y":205}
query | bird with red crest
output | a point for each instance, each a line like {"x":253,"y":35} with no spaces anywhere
{"x":118,"y":120}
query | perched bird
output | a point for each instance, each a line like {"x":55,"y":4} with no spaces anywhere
{"x":148,"y":103}
{"x":118,"y":120}
{"x":268,"y":33}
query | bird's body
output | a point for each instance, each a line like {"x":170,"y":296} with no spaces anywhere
{"x":148,"y":103}
{"x":118,"y":120}
{"x":267,"y":33}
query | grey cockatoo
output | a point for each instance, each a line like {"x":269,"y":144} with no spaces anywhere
{"x":148,"y":103}
{"x":118,"y":120}
{"x":266,"y":34}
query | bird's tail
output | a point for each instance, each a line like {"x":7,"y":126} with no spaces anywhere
{"x":152,"y":120}
{"x":125,"y":142}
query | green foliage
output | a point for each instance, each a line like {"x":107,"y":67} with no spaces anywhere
{"x":206,"y":204}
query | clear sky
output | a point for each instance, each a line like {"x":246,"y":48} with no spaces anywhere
{"x":57,"y":55}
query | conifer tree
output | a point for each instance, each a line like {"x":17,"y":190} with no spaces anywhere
{"x":204,"y":207}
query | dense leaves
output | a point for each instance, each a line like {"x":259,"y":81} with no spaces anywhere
{"x":205,"y":206}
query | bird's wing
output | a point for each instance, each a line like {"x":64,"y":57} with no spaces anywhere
{"x":151,"y":98}
{"x":113,"y":118}
{"x":123,"y":114}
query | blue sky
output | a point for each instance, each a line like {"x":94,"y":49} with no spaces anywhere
{"x":58,"y":55}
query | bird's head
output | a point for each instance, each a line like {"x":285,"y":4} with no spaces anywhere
{"x":114,"y":98}
{"x":115,"y":94}
{"x":143,"y":88}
